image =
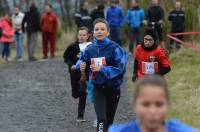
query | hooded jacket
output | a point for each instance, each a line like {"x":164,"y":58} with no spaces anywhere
{"x":32,"y":21}
{"x":116,"y":59}
{"x":135,"y":17}
{"x":7,"y":31}
{"x":115,"y":16}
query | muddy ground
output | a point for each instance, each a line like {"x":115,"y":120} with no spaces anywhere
{"x":36,"y":97}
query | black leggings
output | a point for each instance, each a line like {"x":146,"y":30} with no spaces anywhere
{"x":105,"y":103}
{"x":82,"y":99}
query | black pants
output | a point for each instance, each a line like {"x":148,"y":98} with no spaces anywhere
{"x":82,"y":99}
{"x":105,"y":103}
{"x":134,"y":36}
{"x":78,"y":91}
{"x":177,"y":44}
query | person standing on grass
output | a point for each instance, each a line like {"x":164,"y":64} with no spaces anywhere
{"x":150,"y":59}
{"x":177,"y":19}
{"x":49,"y":26}
{"x":82,"y":17}
{"x":115,"y":17}
{"x":78,"y":83}
{"x":151,"y":103}
{"x":134,"y":19}
{"x":155,"y":19}
{"x":7,"y":35}
{"x":17,"y":19}
{"x":105,"y":61}
{"x":31,"y":25}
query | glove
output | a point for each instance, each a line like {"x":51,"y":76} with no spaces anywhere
{"x":145,"y":22}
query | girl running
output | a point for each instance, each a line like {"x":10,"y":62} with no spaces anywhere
{"x":151,"y":104}
{"x":106,"y":62}
{"x":150,"y":59}
{"x":78,"y":80}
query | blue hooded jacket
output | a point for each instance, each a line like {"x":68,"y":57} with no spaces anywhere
{"x":116,"y":60}
{"x":170,"y":126}
{"x":135,"y":17}
{"x":115,"y":16}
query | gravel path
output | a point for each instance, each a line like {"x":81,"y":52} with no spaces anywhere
{"x":36,"y":97}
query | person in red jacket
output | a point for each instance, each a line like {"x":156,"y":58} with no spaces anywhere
{"x":7,"y":35}
{"x":150,"y":59}
{"x":49,"y":25}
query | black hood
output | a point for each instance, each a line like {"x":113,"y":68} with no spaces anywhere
{"x":154,"y":46}
{"x":33,"y":8}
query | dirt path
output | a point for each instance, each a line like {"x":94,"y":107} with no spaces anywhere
{"x":36,"y":97}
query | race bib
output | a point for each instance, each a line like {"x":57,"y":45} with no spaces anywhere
{"x":149,"y":67}
{"x":83,"y":46}
{"x":98,"y":62}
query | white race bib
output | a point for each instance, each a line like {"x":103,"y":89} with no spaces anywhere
{"x":149,"y":67}
{"x":83,"y":46}
{"x":98,"y":62}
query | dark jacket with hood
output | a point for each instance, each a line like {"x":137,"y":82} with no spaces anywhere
{"x":70,"y":58}
{"x":82,"y":18}
{"x":154,"y":14}
{"x":32,"y":20}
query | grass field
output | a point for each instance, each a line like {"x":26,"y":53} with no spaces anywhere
{"x":184,"y":83}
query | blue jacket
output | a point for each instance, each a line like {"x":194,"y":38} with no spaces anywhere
{"x":171,"y":126}
{"x":135,"y":17}
{"x":116,"y":60}
{"x":115,"y":16}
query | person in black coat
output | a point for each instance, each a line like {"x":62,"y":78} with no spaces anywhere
{"x":155,"y":18}
{"x":78,"y":84}
{"x":177,"y":19}
{"x":98,"y":12}
{"x":31,"y":25}
{"x":82,"y":17}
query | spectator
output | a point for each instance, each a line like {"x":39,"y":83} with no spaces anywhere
{"x":177,"y":19}
{"x":82,"y":18}
{"x":32,"y":22}
{"x":98,"y":12}
{"x":115,"y":17}
{"x":17,"y":19}
{"x":49,"y":25}
{"x":134,"y":18}
{"x":155,"y":17}
{"x":7,"y":35}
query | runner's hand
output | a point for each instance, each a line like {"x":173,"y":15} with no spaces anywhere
{"x":73,"y":67}
{"x":94,"y":68}
{"x":83,"y":66}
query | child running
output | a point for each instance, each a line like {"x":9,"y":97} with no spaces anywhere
{"x":150,"y":59}
{"x":151,"y":104}
{"x":106,"y":62}
{"x":78,"y":80}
